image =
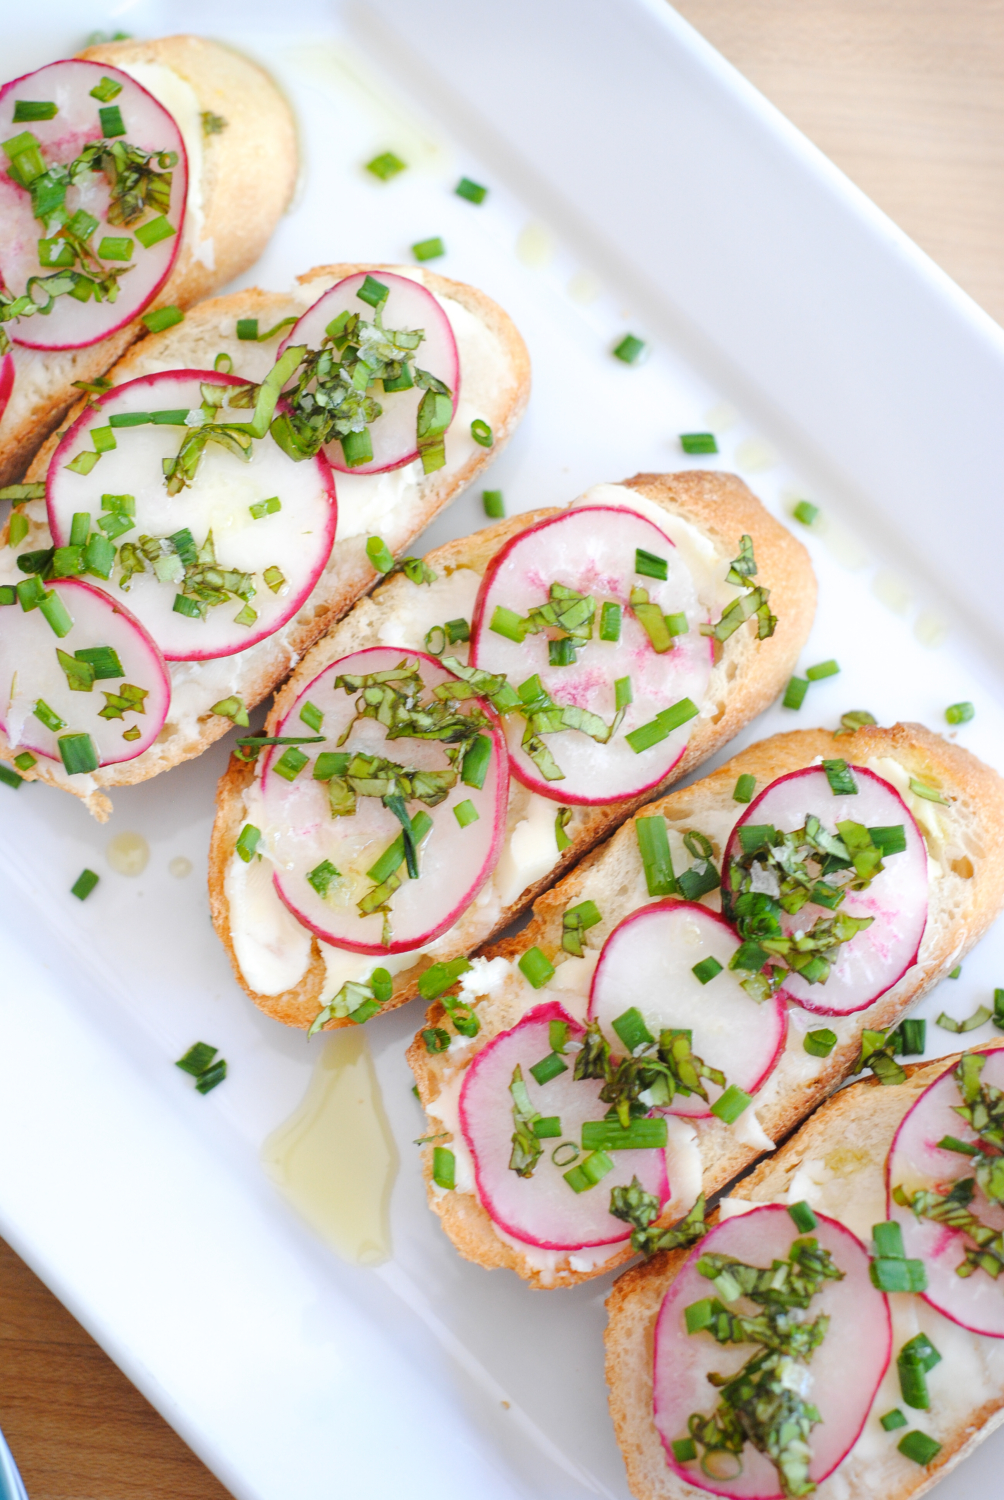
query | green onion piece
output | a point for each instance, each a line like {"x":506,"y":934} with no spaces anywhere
{"x":929,"y":793}
{"x":610,"y":1135}
{"x":373,"y":292}
{"x":444,"y":1168}
{"x":493,"y":503}
{"x":630,"y":349}
{"x":248,"y":841}
{"x":10,"y":778}
{"x":67,"y":562}
{"x":610,"y":622}
{"x":755,"y":836}
{"x":979,"y":1017}
{"x":472,"y":191}
{"x":79,"y":674}
{"x":677,"y":624}
{"x":482,"y":434}
{"x":956,"y":972}
{"x":115,"y":247}
{"x":8,"y":594}
{"x":393,"y":858}
{"x":549,"y":1067}
{"x":162,"y":317}
{"x":684,"y":1450}
{"x":999,"y":1009}
{"x":25,"y":760}
{"x":536,"y":968}
{"x":172,"y":417}
{"x":84,"y":885}
{"x":435,"y":1039}
{"x":802,"y":1217}
{"x":476,"y":760}
{"x":794,"y":693}
{"x":706,"y":969}
{"x":893,"y":1419}
{"x":898,"y":1275}
{"x":822,"y":669}
{"x":430,"y":249}
{"x":918,"y":1446}
{"x":47,"y":716}
{"x":83,"y":463}
{"x":546,"y":1127}
{"x":840,"y":777}
{"x":561,"y":820}
{"x":820,"y":1043}
{"x":357,"y":448}
{"x":509,"y":624}
{"x":565,"y":1154}
{"x":805,"y":512}
{"x":107,"y":89}
{"x":913,"y":1384}
{"x":699,"y":1315}
{"x":18,"y":529}
{"x":952,"y":1143}
{"x":245,"y":616}
{"x":79,"y":528}
{"x":312,"y":716}
{"x":55,"y":252}
{"x":112,"y":123}
{"x":265,"y":507}
{"x":557,"y":1035}
{"x":653,"y":846}
{"x":561,"y":653}
{"x":184,"y":606}
{"x":920,"y":1349}
{"x":385,"y":166}
{"x":103,"y":439}
{"x":437,"y":977}
{"x":466,"y":813}
{"x":650,"y":565}
{"x":247,"y":328}
{"x":223,"y":363}
{"x":731,"y":1105}
{"x":322,"y":877}
{"x":331,"y":763}
{"x":959,"y":713}
{"x":58,"y":616}
{"x":457,"y":630}
{"x":197,"y":1059}
{"x":290,"y":763}
{"x":646,"y":735}
{"x":32,"y":109}
{"x":913,"y":1037}
{"x":590,"y":1171}
{"x":274,"y":579}
{"x":698,"y":442}
{"x":630,"y":1027}
{"x":744,"y":788}
{"x":379,"y":554}
{"x":79,"y":754}
{"x":229,"y":708}
{"x":891,"y":840}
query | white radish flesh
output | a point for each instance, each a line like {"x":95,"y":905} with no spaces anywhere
{"x":30,"y":670}
{"x":543,"y":1210}
{"x":875,"y":958}
{"x":296,"y":539}
{"x":409,"y":306}
{"x":453,"y":861}
{"x":592,"y":550}
{"x":648,"y":963}
{"x":915,"y":1161}
{"x":72,"y":324}
{"x":846,"y":1369}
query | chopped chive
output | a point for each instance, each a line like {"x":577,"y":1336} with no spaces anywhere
{"x":379,"y":554}
{"x":174,"y":416}
{"x":536,"y":968}
{"x":805,"y":512}
{"x":331,"y":763}
{"x":744,"y":788}
{"x":954,"y":974}
{"x":678,"y":713}
{"x":918,"y":1446}
{"x":921,"y":1350}
{"x":913,"y":1037}
{"x":731,"y":1105}
{"x":386,"y":165}
{"x":979,"y":1017}
{"x":755,"y":836}
{"x":999,"y":1009}
{"x":265,"y":507}
{"x":197,"y":1059}
{"x":623,"y":693}
{"x":630,"y":1027}
{"x":561,"y":653}
{"x":929,"y":793}
{"x":610,"y":622}
{"x":568,"y":1152}
{"x":822,"y":669}
{"x":591,"y":1170}
{"x":677,"y":624}
{"x":650,"y":565}
{"x":247,"y":328}
{"x":437,"y":978}
{"x":78,"y":753}
{"x":392,"y":859}
{"x":493,"y":503}
{"x":8,"y":594}
{"x":646,"y":735}
{"x":274,"y":578}
{"x":794,"y":693}
{"x":435,"y":1039}
{"x":151,"y":233}
{"x":18,"y":529}
{"x":112,"y":123}
{"x":952,"y":1143}
{"x":79,"y":674}
{"x":820,"y":1043}
{"x":893,"y":1419}
{"x":802,"y":1217}
{"x":476,"y":760}
{"x":706,"y":970}
{"x":699,"y":1315}
{"x":55,"y":252}
{"x":184,"y":606}
{"x":290,"y":763}
{"x":561,"y":820}
{"x":551,"y":1066}
{"x":211,"y":1077}
{"x":912,"y":1381}
{"x":79,"y":528}
{"x":444,"y":1167}
{"x":896,"y":1274}
{"x":312,"y":716}
{"x":25,"y":760}
{"x":106,"y":90}
{"x":507,"y":623}
{"x":115,"y":247}
{"x":959,"y":713}
{"x":698,"y":442}
{"x":840,"y":777}
{"x":630,"y":349}
{"x":161,"y":317}
{"x":357,"y":448}
{"x":611,"y":1135}
{"x":322,"y":877}
{"x":83,"y":463}
{"x":547,"y":1127}
{"x":891,"y":840}
{"x":430,"y":249}
{"x":33,"y":109}
{"x":56,"y":613}
{"x":482,"y":433}
{"x":466,"y":813}
{"x":684,"y":1450}
{"x":84,"y":885}
{"x":99,"y":554}
{"x":653,"y":846}
{"x":472,"y":191}
{"x":10,"y":778}
{"x":373,"y":292}
{"x":248,"y":842}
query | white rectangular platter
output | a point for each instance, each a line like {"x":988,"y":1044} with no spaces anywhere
{"x":637,"y":184}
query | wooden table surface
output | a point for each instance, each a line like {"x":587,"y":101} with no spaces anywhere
{"x":907,"y":96}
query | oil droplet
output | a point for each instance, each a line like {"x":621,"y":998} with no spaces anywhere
{"x":180,"y":866}
{"x":890,"y":589}
{"x":721,"y":417}
{"x":335,"y":1158}
{"x":584,"y":287}
{"x":841,"y":544}
{"x":930,"y":629}
{"x":754,"y":456}
{"x":128,"y":853}
{"x":535,"y":247}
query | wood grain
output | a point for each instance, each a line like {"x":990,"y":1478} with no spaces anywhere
{"x":907,"y":96}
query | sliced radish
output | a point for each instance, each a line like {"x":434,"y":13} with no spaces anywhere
{"x":593,"y":550}
{"x":844,"y":1371}
{"x":31,"y":671}
{"x":977,"y":1301}
{"x":6,"y":381}
{"x":875,"y":958}
{"x":542,"y":1209}
{"x":648,"y":963}
{"x":454,"y":860}
{"x":72,"y":324}
{"x":296,"y":539}
{"x":408,"y":306}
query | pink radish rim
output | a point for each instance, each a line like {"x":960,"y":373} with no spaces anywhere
{"x":498,"y":830}
{"x":110,"y":70}
{"x":342,"y":468}
{"x":7,"y":376}
{"x":549,"y":1010}
{"x":813,"y":1006}
{"x":705,"y":1482}
{"x":549,"y":789}
{"x":210,"y":377}
{"x":672,"y":903}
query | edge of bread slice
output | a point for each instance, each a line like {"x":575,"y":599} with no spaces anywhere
{"x":844,"y":1145}
{"x":249,"y":172}
{"x":964,"y":900}
{"x":748,"y":676}
{"x":208,"y":330}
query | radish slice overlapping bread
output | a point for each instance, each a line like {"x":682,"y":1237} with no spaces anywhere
{"x":848,"y":1179}
{"x":294,"y":969}
{"x":117,"y":201}
{"x":240,"y":557}
{"x":684,"y":982}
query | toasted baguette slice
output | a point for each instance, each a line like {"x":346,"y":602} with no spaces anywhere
{"x":963,"y":838}
{"x":748,"y":676}
{"x":246,"y":182}
{"x":208,"y":330}
{"x":836,"y":1163}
